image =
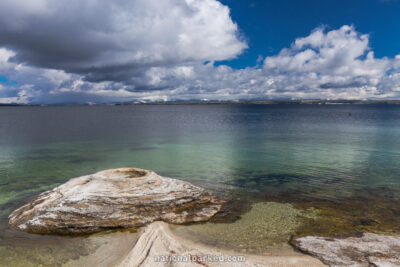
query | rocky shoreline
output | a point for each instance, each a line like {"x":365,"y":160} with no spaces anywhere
{"x":131,"y":198}
{"x":156,"y":241}
{"x":366,"y":250}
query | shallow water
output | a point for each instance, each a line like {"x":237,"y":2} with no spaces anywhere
{"x":265,"y":227}
{"x":332,"y":157}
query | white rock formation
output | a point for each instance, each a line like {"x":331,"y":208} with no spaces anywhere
{"x":118,"y":198}
{"x":368,"y":250}
{"x":158,"y":246}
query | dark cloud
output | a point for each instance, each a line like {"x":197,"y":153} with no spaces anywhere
{"x":339,"y":85}
{"x":116,"y":40}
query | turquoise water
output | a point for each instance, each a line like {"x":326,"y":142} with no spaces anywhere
{"x":328,"y":152}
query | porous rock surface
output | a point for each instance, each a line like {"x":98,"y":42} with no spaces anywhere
{"x":368,"y":250}
{"x":117,"y":198}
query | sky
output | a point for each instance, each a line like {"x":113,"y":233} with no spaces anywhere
{"x":74,"y":51}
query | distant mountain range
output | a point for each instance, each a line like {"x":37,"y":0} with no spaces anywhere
{"x":216,"y":102}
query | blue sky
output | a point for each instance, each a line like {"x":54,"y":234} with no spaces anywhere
{"x":73,"y":51}
{"x":4,"y":80}
{"x":270,"y":25}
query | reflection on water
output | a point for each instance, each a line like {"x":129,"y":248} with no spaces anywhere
{"x":249,"y":153}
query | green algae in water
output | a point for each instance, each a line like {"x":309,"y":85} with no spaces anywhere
{"x":265,"y":226}
{"x":351,"y":217}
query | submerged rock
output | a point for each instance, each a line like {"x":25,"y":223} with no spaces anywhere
{"x":367,"y":250}
{"x":117,"y":198}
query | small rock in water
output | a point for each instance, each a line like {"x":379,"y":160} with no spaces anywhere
{"x":367,"y":250}
{"x":117,"y":198}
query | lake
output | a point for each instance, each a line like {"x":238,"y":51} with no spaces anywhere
{"x":338,"y":162}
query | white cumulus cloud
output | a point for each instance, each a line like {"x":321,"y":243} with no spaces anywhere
{"x":146,"y":55}
{"x":117,"y":40}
